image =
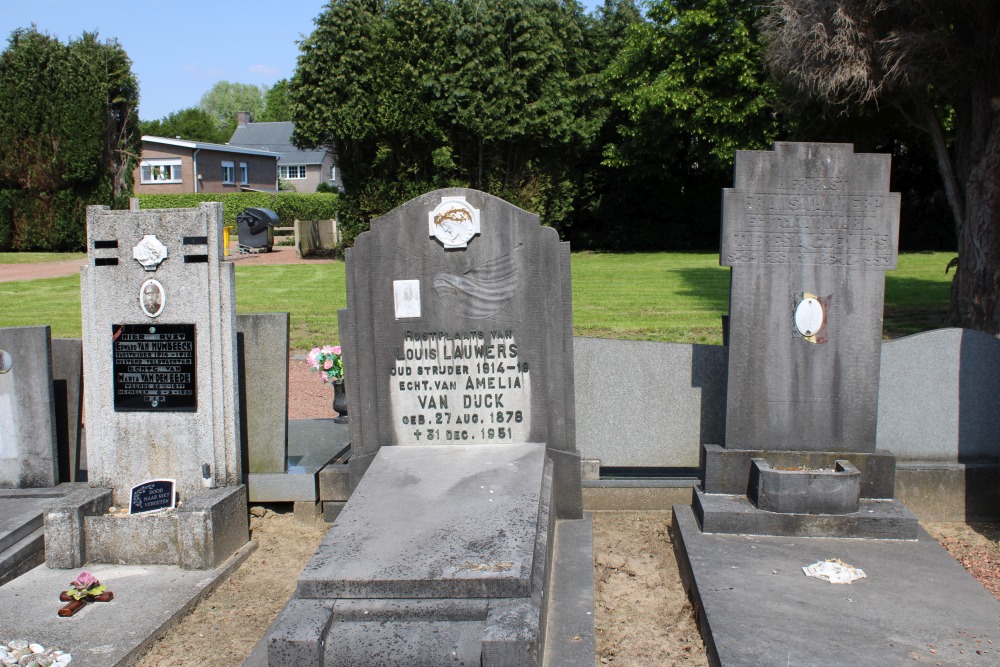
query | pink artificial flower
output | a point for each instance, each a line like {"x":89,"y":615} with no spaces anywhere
{"x":313,"y":356}
{"x":328,"y":350}
{"x":336,"y":350}
{"x":84,"y":581}
{"x":328,"y":364}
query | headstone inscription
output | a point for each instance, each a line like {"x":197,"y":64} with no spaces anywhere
{"x":809,"y":231}
{"x":162,"y":399}
{"x":458,"y":352}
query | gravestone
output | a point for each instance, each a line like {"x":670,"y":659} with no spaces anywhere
{"x":162,"y":398}
{"x":67,"y":381}
{"x":264,"y":390}
{"x":28,"y":455}
{"x":809,"y":231}
{"x":459,"y":364}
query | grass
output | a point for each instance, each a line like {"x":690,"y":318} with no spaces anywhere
{"x":676,"y":297}
{"x":39,"y":257}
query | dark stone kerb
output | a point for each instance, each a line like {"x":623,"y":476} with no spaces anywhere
{"x":835,"y":490}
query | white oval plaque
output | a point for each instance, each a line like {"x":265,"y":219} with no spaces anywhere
{"x":809,"y":316}
{"x":152,"y":298}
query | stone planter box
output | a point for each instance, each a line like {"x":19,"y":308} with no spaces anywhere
{"x":834,"y":490}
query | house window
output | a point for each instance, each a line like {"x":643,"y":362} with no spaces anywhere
{"x":160,"y":171}
{"x":244,"y":173}
{"x":292,"y":171}
{"x":228,"y":172}
{"x":333,"y":172}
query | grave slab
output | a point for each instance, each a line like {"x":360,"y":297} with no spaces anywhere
{"x":149,"y":599}
{"x":22,"y":536}
{"x":460,"y":521}
{"x":916,"y":606}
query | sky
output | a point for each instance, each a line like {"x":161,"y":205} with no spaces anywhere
{"x":181,"y":48}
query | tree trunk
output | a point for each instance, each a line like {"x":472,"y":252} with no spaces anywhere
{"x":975,"y":290}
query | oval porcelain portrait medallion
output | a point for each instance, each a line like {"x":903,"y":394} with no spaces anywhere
{"x":152,"y":298}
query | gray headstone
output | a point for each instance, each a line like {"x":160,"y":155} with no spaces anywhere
{"x":67,"y":382}
{"x":464,"y":336}
{"x":162,"y":399}
{"x":159,"y":344}
{"x":264,"y":375}
{"x":809,"y":230}
{"x":939,"y":398}
{"x":28,"y":455}
{"x":642,"y":403}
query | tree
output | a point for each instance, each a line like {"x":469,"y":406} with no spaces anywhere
{"x":416,"y":94}
{"x":70,"y":136}
{"x":277,"y":103}
{"x":688,"y":89}
{"x":938,"y":64}
{"x":225,"y":99}
{"x":192,"y":124}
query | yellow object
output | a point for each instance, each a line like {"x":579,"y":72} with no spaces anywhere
{"x":225,"y":241}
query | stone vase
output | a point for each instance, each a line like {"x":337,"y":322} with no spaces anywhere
{"x":340,"y":402}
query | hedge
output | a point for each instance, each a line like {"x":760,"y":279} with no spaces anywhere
{"x":288,"y":205}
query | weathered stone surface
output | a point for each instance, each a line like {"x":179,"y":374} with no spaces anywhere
{"x":759,"y":610}
{"x":806,"y":221}
{"x":728,"y":470}
{"x":492,"y":343}
{"x":649,"y":404}
{"x":67,"y":386}
{"x":459,"y":521}
{"x":939,"y":397}
{"x":28,"y":453}
{"x":264,"y":390}
{"x":834,"y":490}
{"x":297,"y":638}
{"x":129,"y":447}
{"x":877,"y":519}
{"x":64,"y":526}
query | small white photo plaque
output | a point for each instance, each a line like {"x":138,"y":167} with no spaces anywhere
{"x":407,"y":298}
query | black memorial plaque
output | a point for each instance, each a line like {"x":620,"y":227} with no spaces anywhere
{"x":154,"y":368}
{"x":156,"y":494}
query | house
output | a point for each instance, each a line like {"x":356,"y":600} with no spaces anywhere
{"x":303,"y":170}
{"x":176,"y":166}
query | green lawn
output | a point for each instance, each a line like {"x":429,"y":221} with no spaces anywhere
{"x":38,"y":257}
{"x":677,"y":297}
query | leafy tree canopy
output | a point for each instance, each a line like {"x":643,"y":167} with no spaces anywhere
{"x":192,"y":124}
{"x":938,"y":64}
{"x":420,"y":94}
{"x":277,"y":103}
{"x":70,"y":136}
{"x":225,"y":99}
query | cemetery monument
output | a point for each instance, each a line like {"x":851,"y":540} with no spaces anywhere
{"x":162,"y":400}
{"x":809,"y":231}
{"x":458,"y":349}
